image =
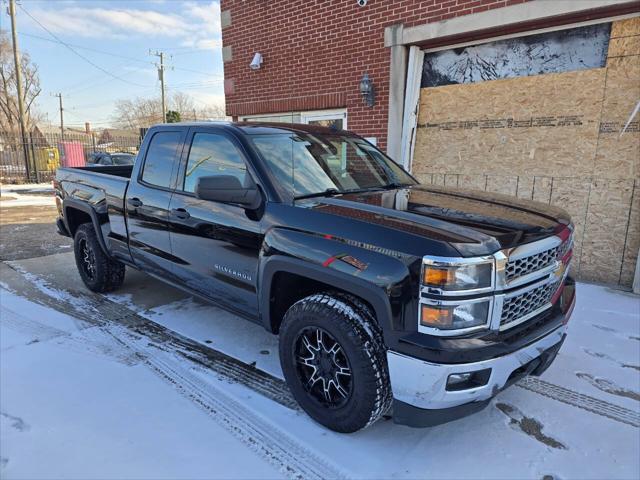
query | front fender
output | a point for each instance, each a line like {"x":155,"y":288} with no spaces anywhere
{"x":381,"y":277}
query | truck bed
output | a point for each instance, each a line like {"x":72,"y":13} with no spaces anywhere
{"x":104,"y":189}
{"x":117,"y":170}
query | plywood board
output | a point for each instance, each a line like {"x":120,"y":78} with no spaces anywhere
{"x":625,"y":28}
{"x":632,"y":244}
{"x":525,"y":188}
{"x":618,"y":156}
{"x":473,"y":182}
{"x":542,"y":189}
{"x":605,"y":230}
{"x":437,"y":179}
{"x":507,"y":185}
{"x":623,"y":46}
{"x":572,"y":194}
{"x":542,"y":125}
{"x":451,"y":180}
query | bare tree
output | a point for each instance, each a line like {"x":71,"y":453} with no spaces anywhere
{"x":9,"y":117}
{"x":137,"y":113}
{"x":214,"y":112}
{"x":182,"y":103}
{"x":144,"y":112}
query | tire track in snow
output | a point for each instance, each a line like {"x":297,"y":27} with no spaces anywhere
{"x":270,"y":442}
{"x":159,"y":348}
{"x":580,"y":400}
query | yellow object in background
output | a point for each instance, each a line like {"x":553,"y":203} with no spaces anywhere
{"x":47,"y":159}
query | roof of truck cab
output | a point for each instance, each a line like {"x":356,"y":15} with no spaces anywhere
{"x":261,"y":128}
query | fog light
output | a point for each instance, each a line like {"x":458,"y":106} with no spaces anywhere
{"x":468,"y":380}
{"x":458,"y":378}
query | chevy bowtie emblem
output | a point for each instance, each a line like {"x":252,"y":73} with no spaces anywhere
{"x":559,"y":273}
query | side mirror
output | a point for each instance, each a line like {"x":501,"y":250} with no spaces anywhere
{"x":227,"y":189}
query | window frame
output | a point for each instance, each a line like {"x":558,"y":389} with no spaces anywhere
{"x":305,"y":116}
{"x":188,"y":142}
{"x":176,"y":162}
{"x":317,"y":115}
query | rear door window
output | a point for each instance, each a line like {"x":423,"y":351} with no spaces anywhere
{"x":161,"y":158}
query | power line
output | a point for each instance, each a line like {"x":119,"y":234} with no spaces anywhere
{"x":95,"y":50}
{"x":78,"y":53}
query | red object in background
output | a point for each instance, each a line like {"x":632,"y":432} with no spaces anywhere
{"x":71,"y":154}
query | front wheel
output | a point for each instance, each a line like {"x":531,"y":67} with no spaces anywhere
{"x":98,"y":272}
{"x":334,"y":361}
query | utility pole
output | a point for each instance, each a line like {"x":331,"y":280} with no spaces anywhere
{"x":18,"y":68}
{"x":59,"y":95}
{"x":161,"y":69}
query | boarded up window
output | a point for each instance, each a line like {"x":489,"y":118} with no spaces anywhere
{"x":554,"y":52}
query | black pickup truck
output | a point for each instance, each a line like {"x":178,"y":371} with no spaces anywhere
{"x":387,"y":295}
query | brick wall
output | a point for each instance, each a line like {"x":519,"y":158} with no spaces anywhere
{"x":315,"y":53}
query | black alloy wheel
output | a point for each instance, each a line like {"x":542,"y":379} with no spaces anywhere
{"x":322,"y":367}
{"x":88,"y":259}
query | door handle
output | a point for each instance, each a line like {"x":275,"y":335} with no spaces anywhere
{"x":134,"y":202}
{"x":180,"y":213}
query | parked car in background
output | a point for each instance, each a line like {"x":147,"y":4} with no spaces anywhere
{"x":106,"y":158}
{"x":383,"y":291}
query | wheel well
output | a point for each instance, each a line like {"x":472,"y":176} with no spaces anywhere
{"x":287,"y":288}
{"x":75,"y":218}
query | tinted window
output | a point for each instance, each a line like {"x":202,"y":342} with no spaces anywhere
{"x":312,"y":163}
{"x":160,"y":158}
{"x":122,"y":159}
{"x":212,"y":154}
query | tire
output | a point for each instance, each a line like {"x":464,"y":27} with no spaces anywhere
{"x":341,"y":402}
{"x":98,"y":272}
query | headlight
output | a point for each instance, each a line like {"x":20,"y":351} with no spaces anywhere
{"x":455,"y":317}
{"x":458,"y":277}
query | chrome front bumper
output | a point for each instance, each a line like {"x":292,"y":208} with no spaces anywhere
{"x":423,"y":384}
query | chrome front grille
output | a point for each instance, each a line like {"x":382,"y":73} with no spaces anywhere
{"x":564,"y":248}
{"x":523,"y":266}
{"x":521,"y":307}
{"x":525,"y":280}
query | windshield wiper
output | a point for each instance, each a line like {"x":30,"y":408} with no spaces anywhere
{"x":329,"y":192}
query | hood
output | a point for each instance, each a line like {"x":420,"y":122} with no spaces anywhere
{"x":473,"y":222}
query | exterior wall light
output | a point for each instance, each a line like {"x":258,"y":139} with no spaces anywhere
{"x":256,"y":63}
{"x":366,"y":90}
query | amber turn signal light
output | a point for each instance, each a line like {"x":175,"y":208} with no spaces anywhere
{"x":437,"y":277}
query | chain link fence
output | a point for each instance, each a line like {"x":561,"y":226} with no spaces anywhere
{"x":43,"y":153}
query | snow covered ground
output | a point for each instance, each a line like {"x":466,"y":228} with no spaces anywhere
{"x":32,"y":195}
{"x":149,"y":383}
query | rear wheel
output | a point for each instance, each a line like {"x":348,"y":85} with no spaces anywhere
{"x":98,"y":272}
{"x":334,"y":361}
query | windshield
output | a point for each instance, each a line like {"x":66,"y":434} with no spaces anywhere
{"x":310,"y":164}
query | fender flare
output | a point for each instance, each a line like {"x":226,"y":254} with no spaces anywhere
{"x":73,"y":204}
{"x":272,"y":265}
